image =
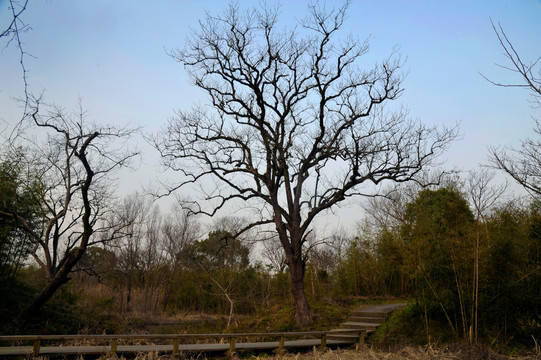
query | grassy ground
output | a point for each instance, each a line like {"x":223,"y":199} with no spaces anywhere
{"x":453,"y":352}
{"x":397,"y":339}
{"x":457,"y":352}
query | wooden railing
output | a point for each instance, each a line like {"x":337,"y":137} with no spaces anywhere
{"x":311,"y":338}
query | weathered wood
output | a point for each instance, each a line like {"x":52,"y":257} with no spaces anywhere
{"x":176,"y":343}
{"x":215,"y":347}
{"x":232,"y":351}
{"x":323,"y":341}
{"x":339,"y":337}
{"x":35,"y":349}
{"x":114,"y":344}
{"x":6,"y":338}
{"x":362,"y":337}
{"x":280,"y":350}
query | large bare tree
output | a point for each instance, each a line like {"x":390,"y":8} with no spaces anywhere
{"x":522,"y":164}
{"x":68,"y":167}
{"x":295,"y":126}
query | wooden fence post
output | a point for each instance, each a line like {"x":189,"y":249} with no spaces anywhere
{"x":323,"y":341}
{"x":35,"y":349}
{"x":280,"y":350}
{"x":360,"y":343}
{"x":362,"y":335}
{"x":176,"y":342}
{"x":232,"y":341}
{"x":114,"y":344}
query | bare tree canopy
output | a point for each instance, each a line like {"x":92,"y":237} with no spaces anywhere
{"x":522,"y":164}
{"x":295,"y":124}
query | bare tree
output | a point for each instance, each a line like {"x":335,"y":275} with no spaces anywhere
{"x":388,"y":212}
{"x":522,"y":164}
{"x":69,"y":171}
{"x":15,"y":25}
{"x":340,"y":240}
{"x":139,"y":251}
{"x":295,"y":125}
{"x":529,"y":73}
{"x":12,"y":32}
{"x":484,"y":197}
{"x":273,"y":253}
{"x":179,"y":233}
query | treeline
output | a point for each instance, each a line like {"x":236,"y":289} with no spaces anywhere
{"x":477,"y":272}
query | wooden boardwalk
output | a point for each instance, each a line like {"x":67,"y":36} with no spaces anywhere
{"x":182,"y":348}
{"x":363,"y":321}
{"x":223,"y":343}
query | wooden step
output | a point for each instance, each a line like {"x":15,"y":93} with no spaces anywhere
{"x":343,"y":337}
{"x":359,"y":325}
{"x":362,"y":320}
{"x":352,"y":335}
{"x":374,"y":314}
{"x":344,"y":331}
{"x":367,"y":319}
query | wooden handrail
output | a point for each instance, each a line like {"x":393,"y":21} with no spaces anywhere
{"x":6,"y":338}
{"x":113,"y":340}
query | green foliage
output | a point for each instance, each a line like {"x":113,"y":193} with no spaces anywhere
{"x":373,"y":265}
{"x":391,"y":252}
{"x":221,"y":249}
{"x":511,"y":301}
{"x":409,"y":326}
{"x":360,"y":273}
{"x":17,"y":197}
{"x":440,"y":254}
{"x":15,"y":295}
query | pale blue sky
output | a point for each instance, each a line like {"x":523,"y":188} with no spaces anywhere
{"x":112,"y":54}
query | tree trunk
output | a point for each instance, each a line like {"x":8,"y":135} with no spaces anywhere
{"x":303,"y":314}
{"x":46,"y":293}
{"x":54,"y":282}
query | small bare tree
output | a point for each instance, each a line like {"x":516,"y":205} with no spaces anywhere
{"x":138,"y":252}
{"x":273,"y":253}
{"x":295,"y":125}
{"x":483,"y":196}
{"x":68,"y":168}
{"x":179,"y":232}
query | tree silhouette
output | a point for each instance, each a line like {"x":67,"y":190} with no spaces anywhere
{"x":295,"y":126}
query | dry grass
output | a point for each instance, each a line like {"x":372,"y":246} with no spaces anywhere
{"x":454,"y":352}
